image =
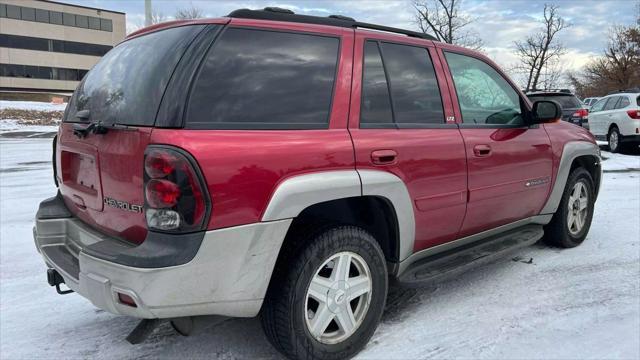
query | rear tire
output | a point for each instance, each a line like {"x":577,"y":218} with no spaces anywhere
{"x":571,"y":222}
{"x":614,"y":139}
{"x":313,"y":308}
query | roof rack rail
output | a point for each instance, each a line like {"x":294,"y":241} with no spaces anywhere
{"x":564,"y":91}
{"x":280,"y":14}
{"x":631,"y":90}
{"x":409,"y":33}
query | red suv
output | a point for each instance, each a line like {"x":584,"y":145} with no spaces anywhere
{"x":289,"y":166}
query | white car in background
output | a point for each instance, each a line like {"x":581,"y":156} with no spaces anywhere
{"x":616,"y":119}
{"x":588,"y":102}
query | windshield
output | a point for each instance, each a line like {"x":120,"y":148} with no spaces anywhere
{"x":126,"y":85}
{"x":566,"y":101}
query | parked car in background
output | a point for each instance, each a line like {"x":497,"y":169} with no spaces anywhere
{"x":588,"y":102}
{"x":289,"y":166}
{"x":616,"y":119}
{"x":573,"y":110}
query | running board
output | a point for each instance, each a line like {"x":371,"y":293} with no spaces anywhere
{"x":459,"y":259}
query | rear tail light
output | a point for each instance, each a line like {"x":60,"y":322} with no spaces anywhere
{"x":581,"y":113}
{"x":176,"y":199}
{"x":634,"y":114}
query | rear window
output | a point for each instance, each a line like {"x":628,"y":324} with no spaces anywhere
{"x":257,"y":79}
{"x":638,"y":100}
{"x":566,"y":101}
{"x":126,"y":85}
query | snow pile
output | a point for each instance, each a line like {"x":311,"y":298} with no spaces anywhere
{"x":14,"y":125}
{"x":31,"y":116}
{"x":31,"y":105}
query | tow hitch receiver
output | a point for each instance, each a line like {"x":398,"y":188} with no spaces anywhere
{"x":55,"y":279}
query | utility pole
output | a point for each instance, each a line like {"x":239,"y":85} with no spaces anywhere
{"x":147,"y":12}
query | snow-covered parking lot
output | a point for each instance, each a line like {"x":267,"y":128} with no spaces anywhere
{"x":577,"y":303}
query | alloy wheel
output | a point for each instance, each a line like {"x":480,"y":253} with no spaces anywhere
{"x":338,"y":297}
{"x":613,"y":140}
{"x":578,"y":206}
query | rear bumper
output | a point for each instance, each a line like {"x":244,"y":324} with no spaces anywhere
{"x":228,"y":273}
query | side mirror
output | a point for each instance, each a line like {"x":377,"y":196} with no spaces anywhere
{"x":545,"y":111}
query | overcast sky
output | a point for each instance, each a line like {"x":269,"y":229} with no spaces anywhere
{"x":498,"y":22}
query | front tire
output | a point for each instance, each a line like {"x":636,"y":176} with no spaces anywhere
{"x":326,"y":298}
{"x":571,"y":222}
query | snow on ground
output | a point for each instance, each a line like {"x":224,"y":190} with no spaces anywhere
{"x":620,"y":162}
{"x":13,"y":126}
{"x":566,"y":304}
{"x":31,"y":105}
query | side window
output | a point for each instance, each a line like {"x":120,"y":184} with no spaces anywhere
{"x":485,"y":97}
{"x":257,"y":79}
{"x":623,"y":103}
{"x":611,"y":104}
{"x":399,"y":87}
{"x":598,"y":106}
{"x":414,"y":88}
{"x":375,"y":106}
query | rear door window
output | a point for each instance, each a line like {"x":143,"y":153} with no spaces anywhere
{"x":375,"y":109}
{"x":415,"y":94}
{"x":127,"y":84}
{"x":258,"y":79}
{"x":611,"y":104}
{"x":623,"y":103}
{"x":399,"y":87}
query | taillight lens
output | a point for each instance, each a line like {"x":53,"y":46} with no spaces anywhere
{"x":162,"y":193}
{"x":581,"y":113}
{"x":176,"y":199}
{"x":634,"y":114}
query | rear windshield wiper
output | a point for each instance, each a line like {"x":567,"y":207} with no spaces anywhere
{"x":97,"y":128}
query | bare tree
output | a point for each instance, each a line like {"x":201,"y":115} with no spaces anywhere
{"x":156,"y":18}
{"x":443,"y":19}
{"x":617,"y":69}
{"x":540,"y":52}
{"x":190,"y":12}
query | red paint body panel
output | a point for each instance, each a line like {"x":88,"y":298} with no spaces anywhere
{"x":431,"y":162}
{"x":560,"y":133}
{"x":243,"y":168}
{"x":498,"y":193}
{"x":116,"y":172}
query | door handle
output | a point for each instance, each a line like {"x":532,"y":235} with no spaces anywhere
{"x":384,"y":157}
{"x":482,"y":150}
